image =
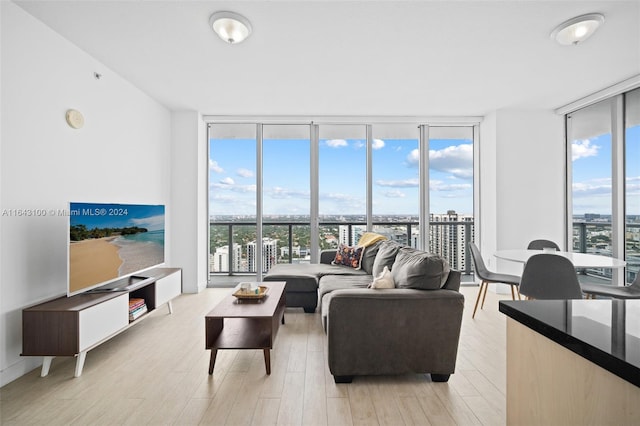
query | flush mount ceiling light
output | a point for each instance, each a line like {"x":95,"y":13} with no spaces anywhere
{"x":230,"y":26}
{"x":578,"y":29}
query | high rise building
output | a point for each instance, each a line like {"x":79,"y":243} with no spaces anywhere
{"x":219,"y":260}
{"x":269,"y":254}
{"x":449,"y":236}
{"x":356,"y":233}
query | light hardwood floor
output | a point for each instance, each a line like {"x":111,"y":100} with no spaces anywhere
{"x":156,"y":373}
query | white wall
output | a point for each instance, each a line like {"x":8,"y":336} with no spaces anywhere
{"x":486,"y":234}
{"x":121,"y":155}
{"x":190,"y":228}
{"x":522,"y":181}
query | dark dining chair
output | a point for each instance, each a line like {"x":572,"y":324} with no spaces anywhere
{"x":489,"y":277}
{"x":542,"y":244}
{"x":549,"y":276}
{"x":631,"y":291}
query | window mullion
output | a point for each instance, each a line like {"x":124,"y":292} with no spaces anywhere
{"x":424,"y":187}
{"x":369,"y":177}
{"x":617,"y":185}
{"x":259,"y":180}
{"x":314,"y":196}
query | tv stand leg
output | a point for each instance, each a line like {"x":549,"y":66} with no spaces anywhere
{"x":80,"y":363}
{"x":170,"y":307}
{"x":46,"y":364}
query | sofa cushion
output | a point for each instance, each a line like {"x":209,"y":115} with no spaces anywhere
{"x":369,"y":257}
{"x":304,"y":276}
{"x":385,"y":257}
{"x":348,"y":256}
{"x":329,"y":283}
{"x":419,"y":270}
{"x":384,"y":280}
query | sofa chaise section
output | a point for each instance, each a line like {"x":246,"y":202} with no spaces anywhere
{"x":303,"y":279}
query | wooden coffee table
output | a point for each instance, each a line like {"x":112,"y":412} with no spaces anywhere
{"x":246,"y":324}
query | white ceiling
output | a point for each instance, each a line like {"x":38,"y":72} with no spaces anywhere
{"x":389,"y":58}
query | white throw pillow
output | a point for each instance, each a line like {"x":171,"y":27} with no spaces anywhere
{"x":384,"y":280}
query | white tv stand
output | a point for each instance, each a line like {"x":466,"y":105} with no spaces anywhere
{"x":72,"y":326}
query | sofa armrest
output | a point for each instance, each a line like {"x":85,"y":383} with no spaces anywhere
{"x":393,"y":331}
{"x":327,"y":256}
{"x":453,"y":280}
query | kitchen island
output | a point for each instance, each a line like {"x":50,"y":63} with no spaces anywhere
{"x":573,"y":361}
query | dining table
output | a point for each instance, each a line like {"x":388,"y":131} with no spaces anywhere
{"x":579,"y":260}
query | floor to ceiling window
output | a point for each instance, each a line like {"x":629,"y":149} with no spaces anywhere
{"x":396,"y":182}
{"x":451,"y":193}
{"x":232,"y":196}
{"x":589,"y":131}
{"x":632,"y":183}
{"x":281,"y":192}
{"x":285,"y":195}
{"x":604,"y":163}
{"x":342,"y":183}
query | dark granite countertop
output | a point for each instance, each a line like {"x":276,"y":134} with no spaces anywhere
{"x":605,"y":332}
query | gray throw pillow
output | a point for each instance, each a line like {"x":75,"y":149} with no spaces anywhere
{"x":419,"y":270}
{"x":369,"y":257}
{"x":385,"y":257}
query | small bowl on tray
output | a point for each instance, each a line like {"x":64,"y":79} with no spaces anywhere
{"x":251,"y":293}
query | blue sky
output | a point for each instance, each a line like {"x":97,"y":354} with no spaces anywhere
{"x":341,"y":176}
{"x":591,"y":163}
{"x":395,"y":174}
{"x":100,"y":215}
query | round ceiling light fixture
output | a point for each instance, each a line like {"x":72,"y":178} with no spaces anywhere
{"x":230,"y":26}
{"x":578,"y":29}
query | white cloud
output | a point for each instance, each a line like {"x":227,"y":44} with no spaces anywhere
{"x":405,"y":183}
{"x":440,"y":186}
{"x":227,"y":181}
{"x":284,"y":193}
{"x":221,"y":197}
{"x":583,"y":149}
{"x":337,"y":143}
{"x":225,"y":204}
{"x":633,"y":185}
{"x":214,"y":167}
{"x":336,"y":196}
{"x":246,"y":173}
{"x":592,"y":188}
{"x":456,"y":160}
{"x":377,"y":144}
{"x":394,"y":194}
{"x":336,"y":203}
{"x":413,"y":159}
{"x":232,"y":187}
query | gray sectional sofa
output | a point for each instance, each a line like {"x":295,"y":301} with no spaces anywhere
{"x":412,"y":328}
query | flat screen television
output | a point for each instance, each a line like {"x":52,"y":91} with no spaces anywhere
{"x":109,"y":242}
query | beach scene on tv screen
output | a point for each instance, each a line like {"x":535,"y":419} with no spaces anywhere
{"x":107,"y":241}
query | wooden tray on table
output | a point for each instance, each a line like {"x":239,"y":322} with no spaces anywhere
{"x":254,"y":294}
